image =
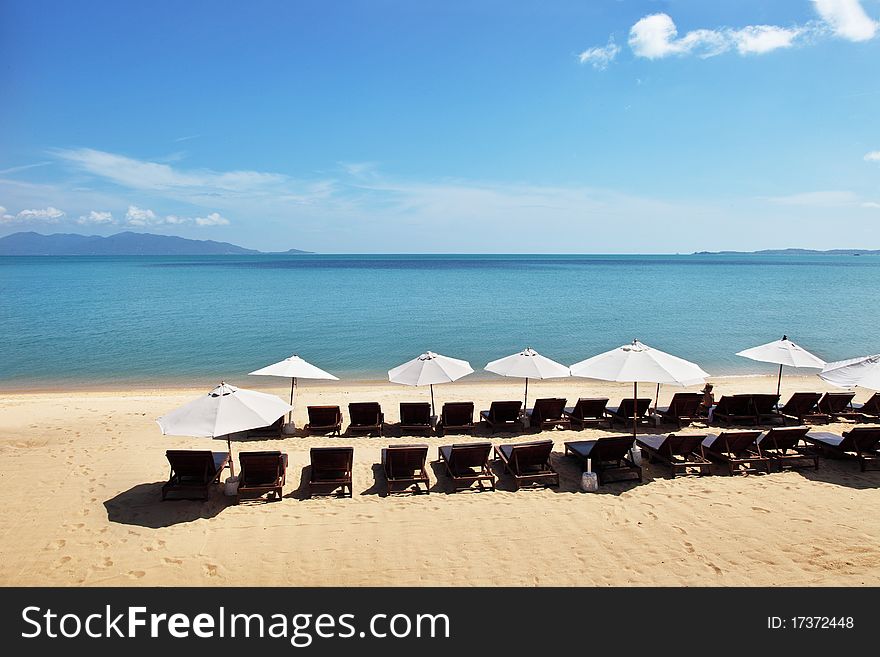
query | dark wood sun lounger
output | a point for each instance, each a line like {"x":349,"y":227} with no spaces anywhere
{"x":193,"y":472}
{"x":261,"y":473}
{"x":269,"y":431}
{"x":679,"y":451}
{"x":528,"y":463}
{"x":862,"y":443}
{"x":589,"y":411}
{"x":870,"y":410}
{"x":324,"y":420}
{"x":548,"y":414}
{"x":737,"y":449}
{"x":734,"y":409}
{"x":684,"y":408}
{"x":415,"y":417}
{"x":456,"y":417}
{"x":802,"y":408}
{"x":331,"y":470}
{"x":366,"y":417}
{"x":605,"y":457}
{"x":838,"y":405}
{"x":624,"y":412}
{"x":782,"y":445}
{"x":468,"y":464}
{"x":503,"y":416}
{"x":404,"y":467}
{"x":766,"y":410}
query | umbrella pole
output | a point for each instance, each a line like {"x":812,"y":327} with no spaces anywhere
{"x":292,"y":386}
{"x":657,"y":397}
{"x":432,"y":399}
{"x":635,"y":406}
{"x":778,"y":386}
{"x":231,"y":461}
{"x":526,"y":398}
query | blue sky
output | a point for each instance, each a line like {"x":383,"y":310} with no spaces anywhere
{"x":392,"y":126}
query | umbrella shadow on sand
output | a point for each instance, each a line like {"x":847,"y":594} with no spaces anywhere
{"x":142,"y":505}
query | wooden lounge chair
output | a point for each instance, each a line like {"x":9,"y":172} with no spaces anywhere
{"x":270,"y":431}
{"x":838,"y":405}
{"x":605,"y":457}
{"x":324,"y":420}
{"x":589,"y":411}
{"x":862,"y":443}
{"x":503,"y":416}
{"x":624,"y":412}
{"x":193,"y":472}
{"x":684,"y":408}
{"x":468,"y":464}
{"x":404,"y":467}
{"x":456,"y":417}
{"x":528,"y":463}
{"x":548,"y":414}
{"x":870,"y":410}
{"x":734,"y":409}
{"x":415,"y":417}
{"x":366,"y":417}
{"x":261,"y":473}
{"x":782,"y":445}
{"x":737,"y":449}
{"x":802,"y":408}
{"x":766,"y":409}
{"x":331,"y":470}
{"x":679,"y":451}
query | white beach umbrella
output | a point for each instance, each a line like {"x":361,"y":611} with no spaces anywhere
{"x":863,"y":371}
{"x":783,"y":352}
{"x":223,"y":411}
{"x":294,"y":368}
{"x":639,"y":363}
{"x":429,"y":369}
{"x":528,"y":364}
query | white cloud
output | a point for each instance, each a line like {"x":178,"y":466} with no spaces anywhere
{"x":48,"y":215}
{"x":758,"y":39}
{"x":4,"y":216}
{"x":827,"y":199}
{"x":213,"y":219}
{"x":96,"y":218}
{"x":136,"y":216}
{"x":871,"y":204}
{"x":656,"y":36}
{"x":600,"y":57}
{"x":873,"y":156}
{"x":847,"y":18}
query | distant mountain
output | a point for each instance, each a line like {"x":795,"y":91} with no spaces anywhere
{"x":127,"y":243}
{"x":847,"y":252}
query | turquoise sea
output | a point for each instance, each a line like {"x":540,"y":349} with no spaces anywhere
{"x":141,"y":320}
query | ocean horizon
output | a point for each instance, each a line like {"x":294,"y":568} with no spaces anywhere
{"x":113,"y":320}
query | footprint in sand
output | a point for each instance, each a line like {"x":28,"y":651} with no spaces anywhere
{"x":136,"y":574}
{"x":762,"y":510}
{"x":689,"y":547}
{"x":170,"y":561}
{"x":62,"y":561}
{"x":56,"y":545}
{"x":210,"y":570}
{"x":680,"y":529}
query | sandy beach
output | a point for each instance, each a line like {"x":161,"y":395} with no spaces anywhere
{"x":82,"y":471}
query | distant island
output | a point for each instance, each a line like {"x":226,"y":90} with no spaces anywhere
{"x":120,"y":244}
{"x":845,"y":252}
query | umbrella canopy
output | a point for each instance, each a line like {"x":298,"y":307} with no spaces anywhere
{"x":224,"y":410}
{"x":294,"y":368}
{"x":639,"y":363}
{"x":863,"y":371}
{"x":782,"y":352}
{"x":428,"y":369}
{"x":528,"y":364}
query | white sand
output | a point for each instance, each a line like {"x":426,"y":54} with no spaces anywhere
{"x":82,"y":473}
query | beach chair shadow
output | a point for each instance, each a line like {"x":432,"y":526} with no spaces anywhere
{"x":378,"y":485}
{"x":142,"y":505}
{"x":302,"y":491}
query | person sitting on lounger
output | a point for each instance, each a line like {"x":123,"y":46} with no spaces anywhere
{"x":707,"y":406}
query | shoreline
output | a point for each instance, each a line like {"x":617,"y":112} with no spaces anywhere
{"x":271,"y":383}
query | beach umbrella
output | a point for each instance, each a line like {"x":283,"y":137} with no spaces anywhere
{"x":783,"y":352}
{"x":429,"y":369}
{"x":294,"y":368}
{"x":223,"y":411}
{"x":638,"y":363}
{"x":863,"y":371}
{"x":528,"y":364}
